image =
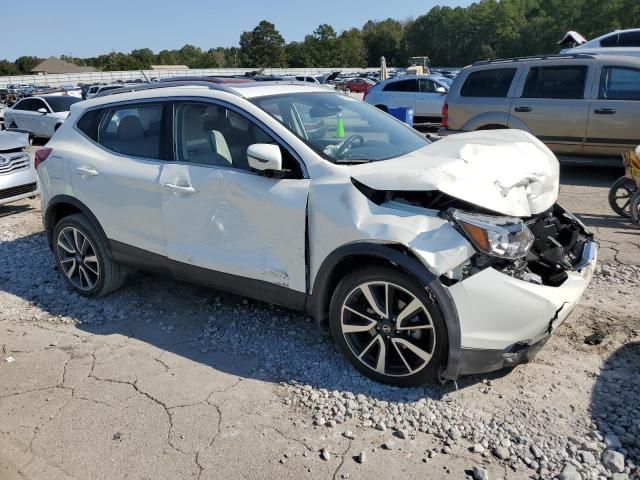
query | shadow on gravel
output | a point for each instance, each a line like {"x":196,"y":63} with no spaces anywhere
{"x":582,"y":175}
{"x":624,"y":225}
{"x":229,"y":333}
{"x":615,"y":407}
{"x":11,"y":209}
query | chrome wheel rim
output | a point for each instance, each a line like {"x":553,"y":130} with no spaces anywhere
{"x":388,"y":329}
{"x":78,"y":259}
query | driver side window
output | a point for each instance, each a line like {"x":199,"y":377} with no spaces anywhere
{"x":211,"y":134}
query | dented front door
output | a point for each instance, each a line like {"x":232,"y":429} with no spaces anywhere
{"x":236,"y":222}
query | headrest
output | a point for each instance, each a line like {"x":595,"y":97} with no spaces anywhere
{"x":130,"y":128}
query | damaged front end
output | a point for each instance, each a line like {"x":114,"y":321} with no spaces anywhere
{"x":544,"y":247}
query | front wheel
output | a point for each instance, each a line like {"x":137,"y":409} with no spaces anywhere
{"x":388,"y":326}
{"x":83,"y":258}
{"x":635,"y":208}
{"x":620,"y":195}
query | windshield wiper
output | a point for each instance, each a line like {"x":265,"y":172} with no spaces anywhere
{"x":350,"y":161}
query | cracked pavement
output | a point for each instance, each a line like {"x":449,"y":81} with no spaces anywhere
{"x":123,"y":388}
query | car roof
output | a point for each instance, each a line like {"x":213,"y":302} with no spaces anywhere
{"x":211,"y":79}
{"x":568,"y":57}
{"x":198,"y":88}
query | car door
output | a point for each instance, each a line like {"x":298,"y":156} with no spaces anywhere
{"x":116,"y":173}
{"x":221,"y":216}
{"x":404,"y":94}
{"x":23,"y":114}
{"x":553,"y":105}
{"x":429,"y":101}
{"x":42,"y":123}
{"x":614,"y":111}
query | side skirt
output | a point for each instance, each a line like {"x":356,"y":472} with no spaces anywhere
{"x":248,"y":287}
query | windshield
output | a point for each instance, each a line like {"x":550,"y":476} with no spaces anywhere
{"x":342,"y":129}
{"x":62,"y":103}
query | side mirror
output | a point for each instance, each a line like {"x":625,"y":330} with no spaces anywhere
{"x":42,"y":111}
{"x":264,"y":156}
{"x":441,"y":89}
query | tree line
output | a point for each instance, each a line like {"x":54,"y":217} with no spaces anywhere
{"x":449,"y":36}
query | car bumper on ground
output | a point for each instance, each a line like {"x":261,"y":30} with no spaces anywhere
{"x":505,"y":321}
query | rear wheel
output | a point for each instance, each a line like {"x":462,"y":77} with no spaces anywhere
{"x":83,"y":258}
{"x":388,"y":326}
{"x":620,"y":195}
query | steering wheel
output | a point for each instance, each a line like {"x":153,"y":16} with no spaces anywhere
{"x":347,"y":144}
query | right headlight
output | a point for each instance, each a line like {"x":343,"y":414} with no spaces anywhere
{"x":503,"y":237}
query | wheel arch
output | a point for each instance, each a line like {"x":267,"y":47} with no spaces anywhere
{"x":62,"y":206}
{"x":352,"y":255}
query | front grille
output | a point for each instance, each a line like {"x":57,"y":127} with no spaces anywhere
{"x":15,"y":191}
{"x":14,"y":164}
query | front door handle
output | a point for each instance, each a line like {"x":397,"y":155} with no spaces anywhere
{"x":523,"y":109}
{"x":87,"y":171}
{"x":180,"y":188}
{"x":604,"y":111}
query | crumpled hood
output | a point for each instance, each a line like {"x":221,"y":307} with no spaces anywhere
{"x":508,"y":171}
{"x":12,"y":140}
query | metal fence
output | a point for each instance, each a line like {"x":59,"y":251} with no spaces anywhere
{"x":56,"y":80}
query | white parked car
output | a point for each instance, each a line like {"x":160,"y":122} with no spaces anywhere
{"x":96,"y":89}
{"x":621,"y":42}
{"x":424,"y":260}
{"x":18,"y":178}
{"x":424,"y":93}
{"x":41,"y":116}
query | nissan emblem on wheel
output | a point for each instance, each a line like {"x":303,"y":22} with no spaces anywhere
{"x":425,"y":261}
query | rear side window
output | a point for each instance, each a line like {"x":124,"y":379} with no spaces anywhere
{"x":407,"y":86}
{"x":619,"y":83}
{"x":610,"y":41}
{"x":488,"y":83}
{"x":137,"y":130}
{"x":88,"y":123}
{"x":555,"y":82}
{"x":629,"y":39}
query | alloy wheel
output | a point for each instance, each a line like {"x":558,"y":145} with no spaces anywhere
{"x":78,"y":259}
{"x":388,"y":328}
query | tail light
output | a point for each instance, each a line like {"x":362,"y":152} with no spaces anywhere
{"x":445,"y":115}
{"x":41,"y":156}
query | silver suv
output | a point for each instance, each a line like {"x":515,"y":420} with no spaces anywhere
{"x":576,"y":104}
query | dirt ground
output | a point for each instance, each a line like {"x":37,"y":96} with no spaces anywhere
{"x":164,"y":380}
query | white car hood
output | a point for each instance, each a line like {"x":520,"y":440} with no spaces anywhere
{"x":12,"y":140}
{"x":506,"y":171}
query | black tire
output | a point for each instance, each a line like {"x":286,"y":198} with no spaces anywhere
{"x":635,"y":208}
{"x":620,"y":195}
{"x":431,"y":340}
{"x":110,"y":275}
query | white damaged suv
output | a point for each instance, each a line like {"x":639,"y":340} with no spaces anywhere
{"x":425,"y":260}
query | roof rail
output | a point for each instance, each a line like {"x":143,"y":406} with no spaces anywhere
{"x":558,"y":56}
{"x":153,"y":86}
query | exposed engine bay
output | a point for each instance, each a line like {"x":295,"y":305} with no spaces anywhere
{"x":558,"y":245}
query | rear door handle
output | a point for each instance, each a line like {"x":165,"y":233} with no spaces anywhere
{"x":523,"y":109}
{"x":180,"y":188}
{"x":604,"y":111}
{"x":87,"y":171}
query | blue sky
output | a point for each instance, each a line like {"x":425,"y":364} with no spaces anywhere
{"x":82,"y":28}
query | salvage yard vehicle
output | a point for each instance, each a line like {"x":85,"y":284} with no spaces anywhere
{"x":424,"y":93}
{"x":576,"y":104}
{"x":18,"y":178}
{"x":621,"y":42}
{"x":41,"y":116}
{"x":423,"y":259}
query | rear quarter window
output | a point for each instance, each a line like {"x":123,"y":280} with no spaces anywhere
{"x":493,"y":82}
{"x":560,"y":82}
{"x":88,"y":123}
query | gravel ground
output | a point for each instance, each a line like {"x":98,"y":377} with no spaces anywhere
{"x":573,"y":413}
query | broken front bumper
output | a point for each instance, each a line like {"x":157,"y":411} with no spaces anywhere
{"x":505,"y":321}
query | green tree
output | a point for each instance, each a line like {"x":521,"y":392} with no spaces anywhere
{"x":385,"y":39}
{"x":26,"y":64}
{"x":263,"y":47}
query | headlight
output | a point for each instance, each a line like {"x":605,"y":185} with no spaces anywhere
{"x":503,"y":237}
